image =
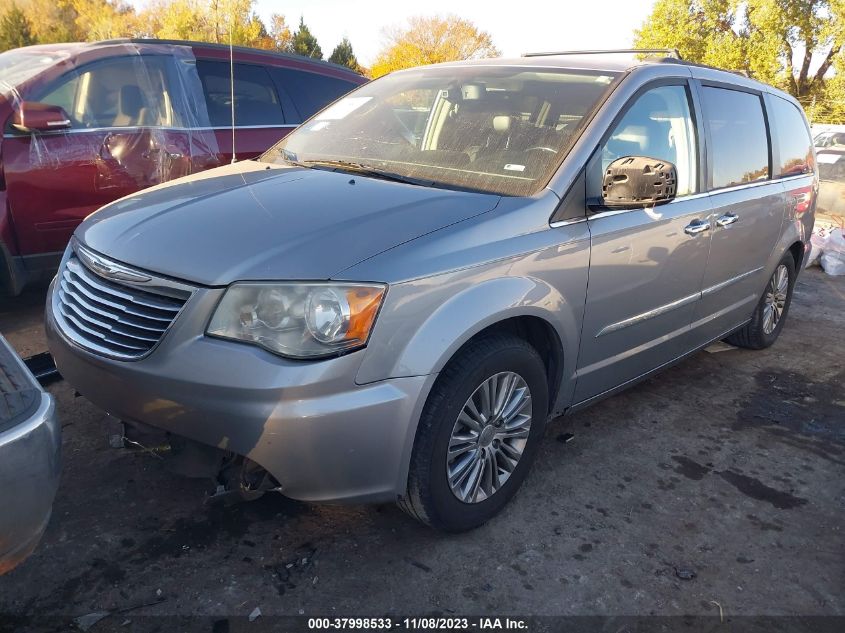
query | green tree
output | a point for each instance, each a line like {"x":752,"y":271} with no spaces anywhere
{"x":15,"y":29}
{"x":431,"y":40}
{"x":793,"y":44}
{"x":304,"y":43}
{"x":343,"y":55}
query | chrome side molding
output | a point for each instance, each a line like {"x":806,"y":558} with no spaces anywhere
{"x":650,"y":314}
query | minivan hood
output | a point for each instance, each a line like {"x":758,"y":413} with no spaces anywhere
{"x":254,"y":221}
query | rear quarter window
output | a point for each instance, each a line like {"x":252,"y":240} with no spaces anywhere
{"x":310,"y":92}
{"x":739,"y":142}
{"x":791,"y":138}
{"x":256,"y":101}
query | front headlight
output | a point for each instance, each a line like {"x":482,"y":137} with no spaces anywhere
{"x":302,"y":320}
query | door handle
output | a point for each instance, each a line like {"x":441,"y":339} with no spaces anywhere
{"x":727,"y":220}
{"x":697,"y":226}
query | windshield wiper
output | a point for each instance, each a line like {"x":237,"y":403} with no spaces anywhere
{"x":367,"y":170}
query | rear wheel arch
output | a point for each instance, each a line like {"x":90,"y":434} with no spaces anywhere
{"x":797,"y":249}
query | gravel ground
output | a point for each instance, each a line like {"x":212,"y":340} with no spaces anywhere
{"x":717,"y":484}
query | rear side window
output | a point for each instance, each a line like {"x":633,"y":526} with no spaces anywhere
{"x":256,"y":101}
{"x":739,"y":143}
{"x":795,"y":149}
{"x":311,"y":92}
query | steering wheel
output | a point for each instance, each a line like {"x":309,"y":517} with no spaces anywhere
{"x":542,"y":148}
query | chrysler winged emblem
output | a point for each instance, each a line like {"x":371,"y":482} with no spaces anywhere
{"x":110,"y":270}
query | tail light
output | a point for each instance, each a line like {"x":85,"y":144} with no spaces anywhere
{"x":802,"y":199}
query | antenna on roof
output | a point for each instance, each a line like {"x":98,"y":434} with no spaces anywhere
{"x":232,"y":89}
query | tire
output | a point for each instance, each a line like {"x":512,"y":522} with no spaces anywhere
{"x":506,"y":360}
{"x":759,"y":333}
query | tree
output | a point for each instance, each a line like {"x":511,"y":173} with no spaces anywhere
{"x":279,"y":36}
{"x":175,"y":20}
{"x":235,"y":21}
{"x":103,"y":19}
{"x":15,"y":29}
{"x":775,"y":41}
{"x":304,"y":43}
{"x":343,"y":55}
{"x":431,"y":40}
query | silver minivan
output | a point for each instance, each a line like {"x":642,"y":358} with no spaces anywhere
{"x":391,"y":302}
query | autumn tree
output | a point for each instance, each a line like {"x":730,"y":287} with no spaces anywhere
{"x":235,"y":21}
{"x":103,"y":19}
{"x":304,"y":43}
{"x":15,"y":29}
{"x":279,"y":36}
{"x":431,"y":40}
{"x":200,"y":20}
{"x":776,"y":41}
{"x":59,"y":20}
{"x":343,"y":55}
{"x":175,"y":20}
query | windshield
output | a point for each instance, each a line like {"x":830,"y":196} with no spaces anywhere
{"x":496,"y":129}
{"x":20,"y":65}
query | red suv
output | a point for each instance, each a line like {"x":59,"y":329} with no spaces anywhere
{"x":85,"y":124}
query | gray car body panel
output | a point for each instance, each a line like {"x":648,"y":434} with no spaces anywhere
{"x":267,"y":222}
{"x":625,"y":292}
{"x":30,"y":467}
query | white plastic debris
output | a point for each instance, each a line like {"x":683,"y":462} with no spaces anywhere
{"x":827,"y":247}
{"x":818,"y":240}
{"x":833,"y":257}
{"x":256,"y":613}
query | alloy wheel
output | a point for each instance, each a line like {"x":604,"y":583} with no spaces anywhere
{"x":489,"y":437}
{"x":775,"y":300}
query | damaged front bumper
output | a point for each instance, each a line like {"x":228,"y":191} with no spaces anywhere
{"x":321,"y":435}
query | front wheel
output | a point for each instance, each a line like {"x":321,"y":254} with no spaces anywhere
{"x":770,"y":314}
{"x":478,"y":434}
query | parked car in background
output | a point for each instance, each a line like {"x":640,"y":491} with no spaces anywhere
{"x":85,"y":124}
{"x":831,"y":162}
{"x":30,"y":459}
{"x":829,"y":138}
{"x":392,"y":301}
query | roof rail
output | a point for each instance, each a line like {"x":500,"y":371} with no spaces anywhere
{"x":671,"y":52}
{"x":246,"y":49}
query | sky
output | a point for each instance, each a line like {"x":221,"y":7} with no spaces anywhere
{"x":516,"y":26}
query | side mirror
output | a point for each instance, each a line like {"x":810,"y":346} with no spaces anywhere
{"x":638,"y":181}
{"x":39,"y":117}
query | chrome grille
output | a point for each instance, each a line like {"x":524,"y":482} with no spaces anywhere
{"x":111,"y":317}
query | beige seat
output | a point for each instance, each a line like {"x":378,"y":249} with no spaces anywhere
{"x":130,"y":107}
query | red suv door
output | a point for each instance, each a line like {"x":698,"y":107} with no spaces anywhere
{"x":125,"y":135}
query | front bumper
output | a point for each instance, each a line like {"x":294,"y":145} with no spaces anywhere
{"x":322,"y":436}
{"x":30,"y":466}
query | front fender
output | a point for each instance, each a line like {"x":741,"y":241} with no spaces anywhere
{"x":424,"y":322}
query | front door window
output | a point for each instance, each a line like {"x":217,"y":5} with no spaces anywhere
{"x":125,"y":92}
{"x":658,"y":125}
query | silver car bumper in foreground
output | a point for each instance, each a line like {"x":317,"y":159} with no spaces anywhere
{"x":321,"y":435}
{"x":30,"y":459}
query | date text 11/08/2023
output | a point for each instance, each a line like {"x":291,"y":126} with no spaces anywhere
{"x":424,"y":623}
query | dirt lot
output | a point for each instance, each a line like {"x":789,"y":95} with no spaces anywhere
{"x":729,"y":468}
